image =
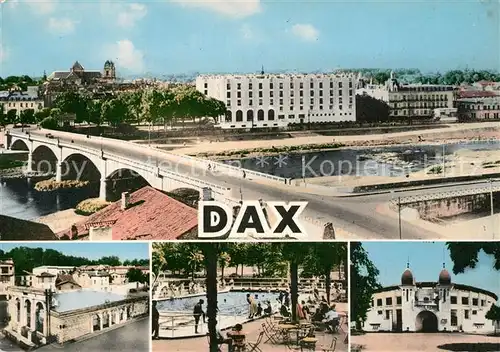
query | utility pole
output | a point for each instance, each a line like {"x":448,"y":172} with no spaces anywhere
{"x":444,"y":160}
{"x":399,"y":216}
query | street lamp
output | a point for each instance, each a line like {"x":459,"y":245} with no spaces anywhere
{"x":399,"y":216}
{"x":444,"y":161}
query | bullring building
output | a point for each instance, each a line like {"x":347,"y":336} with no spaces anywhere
{"x":277,"y":100}
{"x":430,"y":307}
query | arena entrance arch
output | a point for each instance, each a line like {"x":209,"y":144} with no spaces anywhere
{"x":426,"y":322}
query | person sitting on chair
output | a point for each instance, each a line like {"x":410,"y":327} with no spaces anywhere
{"x":268,"y":310}
{"x":331,"y":319}
{"x":221,"y":340}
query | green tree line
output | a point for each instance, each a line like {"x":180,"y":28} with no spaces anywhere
{"x":27,"y":258}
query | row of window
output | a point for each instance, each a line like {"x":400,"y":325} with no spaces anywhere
{"x":482,"y":107}
{"x":319,"y":101}
{"x":26,"y":105}
{"x":431,"y":105}
{"x":281,"y":85}
{"x":453,"y":300}
{"x":453,"y":315}
{"x":301,"y":107}
{"x":271,"y":93}
{"x":441,"y":97}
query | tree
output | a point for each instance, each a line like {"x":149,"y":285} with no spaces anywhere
{"x":73,"y":103}
{"x":210,"y":252}
{"x":363,"y":283}
{"x":3,"y":116}
{"x":110,"y":260}
{"x":224,"y":261}
{"x":369,"y":109}
{"x":136,"y":275}
{"x":40,"y":115}
{"x":494,"y":315}
{"x":159,"y":262}
{"x":11,"y":116}
{"x":465,"y":254}
{"x":323,"y":258}
{"x":94,"y":108}
{"x":113,"y":111}
{"x":49,"y":123}
{"x":27,"y":116}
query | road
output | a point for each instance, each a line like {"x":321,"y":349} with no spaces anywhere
{"x":133,"y":337}
{"x":355,"y":215}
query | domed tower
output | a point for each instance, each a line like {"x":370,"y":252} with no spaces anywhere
{"x":109,"y":70}
{"x":443,"y":288}
{"x":444,"y":277}
{"x":408,"y":289}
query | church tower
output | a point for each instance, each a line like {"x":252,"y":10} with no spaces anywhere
{"x":109,"y":70}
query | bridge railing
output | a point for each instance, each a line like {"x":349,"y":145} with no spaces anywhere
{"x":222,"y":192}
{"x":233,"y":170}
{"x":444,"y":195}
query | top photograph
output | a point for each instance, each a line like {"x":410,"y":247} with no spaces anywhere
{"x":246,"y":120}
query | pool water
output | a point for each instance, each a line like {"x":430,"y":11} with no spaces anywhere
{"x":229,"y":303}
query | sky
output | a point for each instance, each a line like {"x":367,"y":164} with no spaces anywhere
{"x":181,"y":36}
{"x":426,"y":262}
{"x":91,"y":250}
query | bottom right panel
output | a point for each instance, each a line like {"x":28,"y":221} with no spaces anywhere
{"x":425,"y":296}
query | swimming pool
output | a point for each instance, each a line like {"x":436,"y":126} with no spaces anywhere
{"x":229,"y":303}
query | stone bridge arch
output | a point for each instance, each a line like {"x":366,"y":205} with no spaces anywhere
{"x":43,"y":159}
{"x":123,"y":179}
{"x":80,"y":166}
{"x":19,"y":144}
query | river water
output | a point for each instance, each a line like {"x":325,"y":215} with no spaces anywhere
{"x":20,"y":200}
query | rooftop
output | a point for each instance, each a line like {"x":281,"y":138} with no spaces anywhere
{"x":68,"y":301}
{"x":151,"y":215}
{"x":12,"y":229}
{"x":477,"y":94}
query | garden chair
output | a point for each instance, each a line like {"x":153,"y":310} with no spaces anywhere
{"x":218,"y":345}
{"x":332,"y":346}
{"x":254,"y":346}
{"x":272,"y":336}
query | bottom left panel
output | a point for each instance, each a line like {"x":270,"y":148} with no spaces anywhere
{"x":75,"y":296}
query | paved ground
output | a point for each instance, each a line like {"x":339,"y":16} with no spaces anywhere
{"x":133,"y":337}
{"x":414,"y":342}
{"x":7,"y":346}
{"x":252,"y":330}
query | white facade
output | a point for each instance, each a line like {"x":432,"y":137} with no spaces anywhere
{"x":21,"y":101}
{"x":377,"y":91}
{"x":430,"y":307}
{"x":6,"y":275}
{"x":272,"y":100}
{"x":54,"y":270}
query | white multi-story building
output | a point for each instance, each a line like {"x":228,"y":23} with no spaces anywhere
{"x":6,"y":275}
{"x":20,"y":101}
{"x":430,"y":307}
{"x":277,"y":100}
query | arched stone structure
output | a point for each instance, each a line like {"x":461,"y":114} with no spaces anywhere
{"x":28,"y":313}
{"x":260,"y":115}
{"x":77,"y":166}
{"x":43,"y":159}
{"x":229,"y":116}
{"x":96,"y":323}
{"x":19,"y":144}
{"x":39,"y":317}
{"x":270,"y":115}
{"x":426,"y":321}
{"x":250,"y":115}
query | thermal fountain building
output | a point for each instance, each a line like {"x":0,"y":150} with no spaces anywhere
{"x":430,"y":307}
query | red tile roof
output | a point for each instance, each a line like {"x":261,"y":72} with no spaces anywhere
{"x":477,"y":94}
{"x":152,"y":215}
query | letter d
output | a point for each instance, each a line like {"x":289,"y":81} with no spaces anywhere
{"x":214,"y":219}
